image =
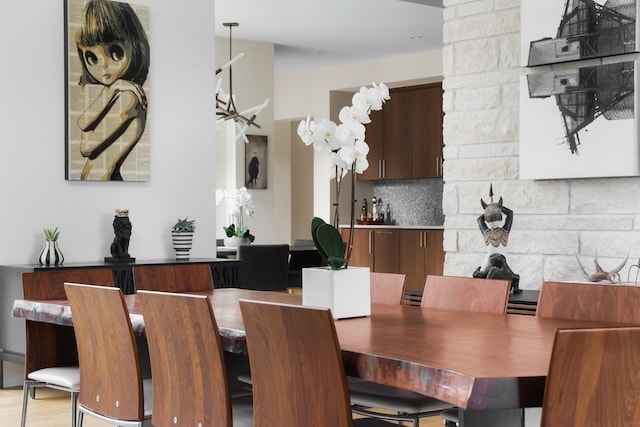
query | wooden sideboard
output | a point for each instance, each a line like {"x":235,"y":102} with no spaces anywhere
{"x":12,"y":330}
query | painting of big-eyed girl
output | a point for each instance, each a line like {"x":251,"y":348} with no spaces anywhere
{"x":107,"y":103}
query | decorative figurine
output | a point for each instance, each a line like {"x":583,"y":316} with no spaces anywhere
{"x":120,"y":246}
{"x":496,"y":236}
{"x":600,"y":274}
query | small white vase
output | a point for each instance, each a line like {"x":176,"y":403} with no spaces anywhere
{"x":182,"y":241}
{"x":346,"y":292}
{"x":235,"y":241}
{"x":51,"y":254}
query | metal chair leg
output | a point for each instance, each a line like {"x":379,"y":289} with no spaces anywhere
{"x":27,"y":387}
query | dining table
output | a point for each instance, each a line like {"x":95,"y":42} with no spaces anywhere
{"x":489,"y":365}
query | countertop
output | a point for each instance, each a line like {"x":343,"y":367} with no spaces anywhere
{"x":397,"y":227}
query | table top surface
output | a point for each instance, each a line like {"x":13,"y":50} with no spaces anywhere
{"x":472,"y":360}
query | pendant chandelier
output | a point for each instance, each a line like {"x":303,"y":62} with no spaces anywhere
{"x":226,"y":103}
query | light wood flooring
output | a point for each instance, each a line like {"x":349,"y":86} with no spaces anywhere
{"x":51,"y":408}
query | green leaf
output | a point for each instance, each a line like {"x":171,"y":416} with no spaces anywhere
{"x":315,"y":223}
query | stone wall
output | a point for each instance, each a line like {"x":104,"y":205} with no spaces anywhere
{"x":554,"y":219}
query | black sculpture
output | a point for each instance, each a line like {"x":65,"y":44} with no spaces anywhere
{"x":122,"y":230}
{"x":496,"y":236}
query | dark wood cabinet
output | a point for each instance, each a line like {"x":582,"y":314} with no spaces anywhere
{"x":414,"y":252}
{"x":421,"y":254}
{"x":405,"y":137}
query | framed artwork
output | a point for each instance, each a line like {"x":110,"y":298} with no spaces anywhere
{"x":555,"y":31}
{"x":256,"y":162}
{"x":580,"y":122}
{"x":107,"y":88}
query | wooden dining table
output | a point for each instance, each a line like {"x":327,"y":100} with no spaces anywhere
{"x":489,"y":365}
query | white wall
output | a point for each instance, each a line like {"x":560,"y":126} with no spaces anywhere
{"x":554,"y":219}
{"x":181,"y":110}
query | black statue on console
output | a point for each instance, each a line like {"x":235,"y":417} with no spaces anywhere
{"x":122,"y":230}
{"x":496,"y":236}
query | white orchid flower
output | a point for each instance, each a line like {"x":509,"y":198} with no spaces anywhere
{"x":324,"y":136}
{"x":353,"y":114}
{"x":337,"y":164}
{"x":305,"y":130}
{"x":356,"y":154}
{"x":350,"y":132}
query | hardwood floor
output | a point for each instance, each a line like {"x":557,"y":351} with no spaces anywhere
{"x":51,"y":408}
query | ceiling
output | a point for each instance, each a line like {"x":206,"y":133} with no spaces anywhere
{"x":311,"y":34}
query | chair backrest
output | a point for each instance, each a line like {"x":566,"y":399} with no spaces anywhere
{"x":579,"y":301}
{"x":49,"y":284}
{"x":48,"y":345}
{"x":173,"y":278}
{"x":304,"y":243}
{"x":190,"y":381}
{"x":264,"y":267}
{"x":466,"y":294}
{"x":387,"y":288}
{"x":110,"y":375}
{"x":593,"y":379}
{"x":296,"y":366}
{"x":302,"y":257}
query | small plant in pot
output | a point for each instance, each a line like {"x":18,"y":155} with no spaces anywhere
{"x":239,"y":202}
{"x":182,"y":236}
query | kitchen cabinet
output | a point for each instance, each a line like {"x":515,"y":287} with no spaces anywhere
{"x":414,"y":252}
{"x":421,"y":254}
{"x":405,"y":137}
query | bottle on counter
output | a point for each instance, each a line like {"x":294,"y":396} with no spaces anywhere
{"x":374,"y":208}
{"x":388,"y":214}
{"x":365,"y":211}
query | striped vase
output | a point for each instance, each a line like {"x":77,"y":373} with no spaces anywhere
{"x":51,"y":254}
{"x":182,"y":243}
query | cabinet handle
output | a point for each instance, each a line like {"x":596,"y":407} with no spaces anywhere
{"x":370,"y":241}
{"x":380,"y":168}
{"x":383,"y":170}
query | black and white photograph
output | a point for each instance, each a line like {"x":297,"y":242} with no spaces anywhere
{"x":579,"y":123}
{"x":554,"y":31}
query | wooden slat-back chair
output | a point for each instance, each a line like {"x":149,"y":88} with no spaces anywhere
{"x":51,"y":359}
{"x":190,"y":385}
{"x":466,"y":294}
{"x":387,"y":288}
{"x":296,"y":366}
{"x":580,"y":301}
{"x":173,"y":278}
{"x":111,"y":384}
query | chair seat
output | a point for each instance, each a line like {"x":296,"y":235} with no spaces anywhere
{"x":374,"y":395}
{"x":62,"y":376}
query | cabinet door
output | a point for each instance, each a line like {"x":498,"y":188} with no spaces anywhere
{"x":374,"y":137}
{"x":397,"y":135}
{"x":386,"y":254}
{"x":434,"y":257}
{"x":412,"y":256}
{"x":362,"y":253}
{"x":421,"y":254}
{"x":426,"y":159}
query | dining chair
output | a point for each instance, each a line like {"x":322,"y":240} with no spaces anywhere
{"x":111,"y":385}
{"x":190,"y":383}
{"x":173,"y":277}
{"x":593,"y":378}
{"x":441,"y":292}
{"x":368,"y":398}
{"x":40,"y":368}
{"x":581,"y":301}
{"x":296,"y":366}
{"x":264,"y":267}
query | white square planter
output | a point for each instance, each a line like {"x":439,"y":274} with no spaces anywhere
{"x":346,"y":292}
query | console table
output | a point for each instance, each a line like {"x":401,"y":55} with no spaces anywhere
{"x":12,"y":330}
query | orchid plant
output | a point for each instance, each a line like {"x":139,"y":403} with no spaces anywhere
{"x":239,"y":202}
{"x":348,"y":152}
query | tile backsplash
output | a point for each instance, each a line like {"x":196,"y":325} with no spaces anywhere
{"x":412,"y":202}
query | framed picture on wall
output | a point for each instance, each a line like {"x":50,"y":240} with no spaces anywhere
{"x":580,"y":122}
{"x":555,"y":31}
{"x":107,"y":89}
{"x":256,"y":162}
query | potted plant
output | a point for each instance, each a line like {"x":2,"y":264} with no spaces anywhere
{"x":239,"y":202}
{"x":50,"y":253}
{"x":344,"y":290}
{"x":182,"y":236}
